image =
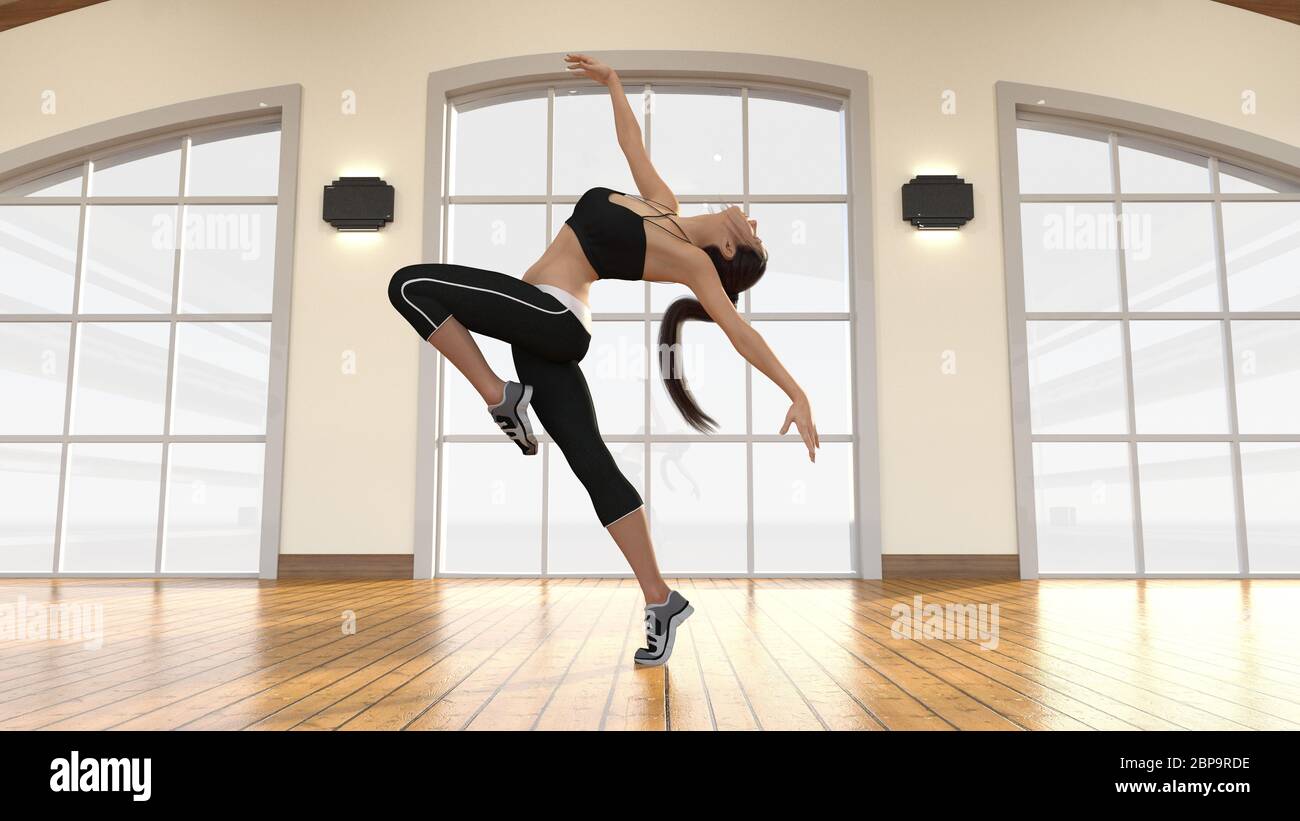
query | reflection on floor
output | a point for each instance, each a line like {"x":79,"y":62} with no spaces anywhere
{"x":556,"y":654}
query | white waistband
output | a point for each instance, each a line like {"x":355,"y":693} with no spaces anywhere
{"x":576,"y":306}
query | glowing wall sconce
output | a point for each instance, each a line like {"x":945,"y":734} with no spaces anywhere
{"x":938,"y":202}
{"x":358,"y":203}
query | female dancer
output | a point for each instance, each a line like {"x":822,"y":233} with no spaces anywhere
{"x":545,"y":318}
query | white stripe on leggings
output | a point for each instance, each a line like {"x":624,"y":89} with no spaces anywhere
{"x":435,"y":325}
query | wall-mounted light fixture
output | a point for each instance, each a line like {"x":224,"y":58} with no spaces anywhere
{"x":938,"y":202}
{"x":358,"y":203}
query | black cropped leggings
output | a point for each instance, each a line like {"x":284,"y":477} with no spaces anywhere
{"x":547,"y":342}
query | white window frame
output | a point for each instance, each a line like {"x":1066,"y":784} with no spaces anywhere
{"x":1026,"y":104}
{"x":82,"y":147}
{"x":640,"y":68}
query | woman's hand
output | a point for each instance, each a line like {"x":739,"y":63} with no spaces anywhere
{"x":589,"y":67}
{"x":800,"y":414}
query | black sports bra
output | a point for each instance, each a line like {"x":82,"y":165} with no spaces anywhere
{"x":611,"y":235}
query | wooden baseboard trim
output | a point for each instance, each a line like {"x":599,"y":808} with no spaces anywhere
{"x":950,"y":566}
{"x":346,"y":566}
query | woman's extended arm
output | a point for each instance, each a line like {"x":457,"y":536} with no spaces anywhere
{"x":750,"y":344}
{"x":648,"y":182}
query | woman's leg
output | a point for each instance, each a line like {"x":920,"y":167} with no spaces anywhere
{"x":453,"y":341}
{"x":444,"y":302}
{"x":632,"y":535}
{"x":563,"y":403}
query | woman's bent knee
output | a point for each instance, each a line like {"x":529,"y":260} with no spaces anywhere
{"x":397,"y":281}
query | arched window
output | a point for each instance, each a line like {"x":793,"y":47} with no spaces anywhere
{"x":1155,"y":306}
{"x":138,"y":304}
{"x":744,"y":500}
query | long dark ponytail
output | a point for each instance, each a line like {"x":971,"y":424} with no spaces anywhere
{"x":737,"y":275}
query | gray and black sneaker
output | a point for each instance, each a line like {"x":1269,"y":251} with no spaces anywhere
{"x":661,"y":623}
{"x":511,"y":415}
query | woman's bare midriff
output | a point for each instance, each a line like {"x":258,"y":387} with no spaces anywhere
{"x":564,"y":266}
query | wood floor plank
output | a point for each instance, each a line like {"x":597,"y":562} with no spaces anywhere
{"x":776,"y":702}
{"x":1238,"y":706}
{"x":524,"y":695}
{"x":163,"y":699}
{"x":98,"y":686}
{"x":260,"y":697}
{"x":932,"y":680}
{"x":636,"y":699}
{"x":892,"y":706}
{"x":731,"y":708}
{"x":833,"y":706}
{"x":792,"y":653}
{"x":578,"y":702}
{"x":478,"y":678}
{"x":414,"y":684}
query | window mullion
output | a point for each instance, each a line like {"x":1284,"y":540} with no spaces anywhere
{"x":647,"y":112}
{"x":544,"y":565}
{"x":178,"y":237}
{"x":440,"y":394}
{"x":1135,"y":478}
{"x":57,"y":559}
{"x":749,"y":369}
{"x":1229,"y":375}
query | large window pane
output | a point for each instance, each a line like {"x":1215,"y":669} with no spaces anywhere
{"x":817,"y":355}
{"x":151,"y":170}
{"x":1169,"y":256}
{"x":240,"y":161}
{"x":491,"y":509}
{"x":1149,"y":168}
{"x":1266,"y":365}
{"x":228,"y":263}
{"x":696,"y":139}
{"x":1076,"y":378}
{"x":38,"y":258}
{"x":214,"y":507}
{"x":585,"y":151}
{"x":615,"y":368}
{"x":803,"y":512}
{"x":29,"y":501}
{"x":111,"y":507}
{"x":1084,"y":506}
{"x":808,"y":258}
{"x":130,"y":257}
{"x":575,"y":540}
{"x":1271,"y":481}
{"x":1188,"y":521}
{"x":1070,"y":256}
{"x":33,"y":377}
{"x":697,"y":506}
{"x":796,"y":144}
{"x":1052,"y":163}
{"x":120,"y":384}
{"x":505,"y":238}
{"x":65,"y":183}
{"x":222,"y":370}
{"x":1178,"y":384}
{"x":1262,"y":244}
{"x":499,"y":147}
{"x":715,"y":376}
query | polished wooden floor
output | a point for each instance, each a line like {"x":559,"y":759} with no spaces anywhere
{"x":780,"y":654}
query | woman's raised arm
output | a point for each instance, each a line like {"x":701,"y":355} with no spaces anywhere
{"x":648,"y":182}
{"x":750,"y":344}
